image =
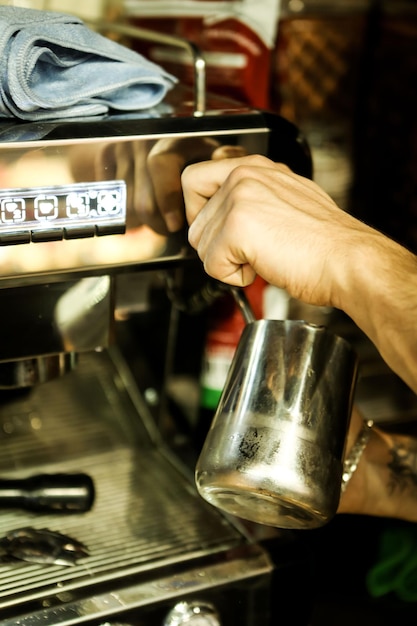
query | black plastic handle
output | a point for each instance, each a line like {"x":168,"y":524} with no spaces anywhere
{"x":61,"y":493}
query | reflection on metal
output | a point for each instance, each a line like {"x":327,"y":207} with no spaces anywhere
{"x":193,"y":613}
{"x":70,"y":316}
{"x":29,"y":372}
{"x":144,"y":154}
{"x":63,"y":164}
{"x":154,"y":539}
{"x":83,"y":314}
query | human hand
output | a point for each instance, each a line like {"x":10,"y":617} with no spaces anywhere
{"x":252,"y":216}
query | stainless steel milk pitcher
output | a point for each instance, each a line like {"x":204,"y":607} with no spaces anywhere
{"x":274,"y":452}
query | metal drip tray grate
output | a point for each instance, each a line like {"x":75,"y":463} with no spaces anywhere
{"x":146,"y":513}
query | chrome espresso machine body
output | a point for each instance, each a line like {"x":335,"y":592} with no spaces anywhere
{"x":74,"y":264}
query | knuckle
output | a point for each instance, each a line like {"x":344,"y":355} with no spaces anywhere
{"x":186,"y":175}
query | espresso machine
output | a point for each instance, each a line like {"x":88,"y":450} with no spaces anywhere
{"x":93,"y":303}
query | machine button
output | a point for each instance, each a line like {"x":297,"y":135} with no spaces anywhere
{"x":9,"y":239}
{"x":50,"y":234}
{"x":79,"y":233}
{"x":110,"y":229}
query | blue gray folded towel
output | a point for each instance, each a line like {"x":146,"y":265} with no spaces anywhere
{"x":53,"y":66}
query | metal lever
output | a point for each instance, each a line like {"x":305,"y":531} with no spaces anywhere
{"x":145,"y":34}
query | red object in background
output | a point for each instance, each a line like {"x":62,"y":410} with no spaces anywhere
{"x":238,"y":61}
{"x":225,"y":327}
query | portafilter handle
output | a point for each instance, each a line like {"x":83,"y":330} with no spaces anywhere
{"x":56,"y":493}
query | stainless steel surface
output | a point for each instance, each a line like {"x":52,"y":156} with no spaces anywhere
{"x":94,"y":152}
{"x":60,"y":162}
{"x":53,"y":321}
{"x":194,"y":614}
{"x":274,"y":451}
{"x":233,"y":567}
{"x":39,"y":369}
{"x":147,"y":516}
{"x":61,"y":296}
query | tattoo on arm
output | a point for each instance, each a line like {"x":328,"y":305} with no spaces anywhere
{"x":403,"y":467}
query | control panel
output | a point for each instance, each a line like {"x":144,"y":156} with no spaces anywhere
{"x":62,"y":212}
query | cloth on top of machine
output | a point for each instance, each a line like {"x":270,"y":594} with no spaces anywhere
{"x":53,"y":66}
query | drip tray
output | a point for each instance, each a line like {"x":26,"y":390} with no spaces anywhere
{"x":147,"y":514}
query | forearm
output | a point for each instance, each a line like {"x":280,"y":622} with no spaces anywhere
{"x":379,"y":292}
